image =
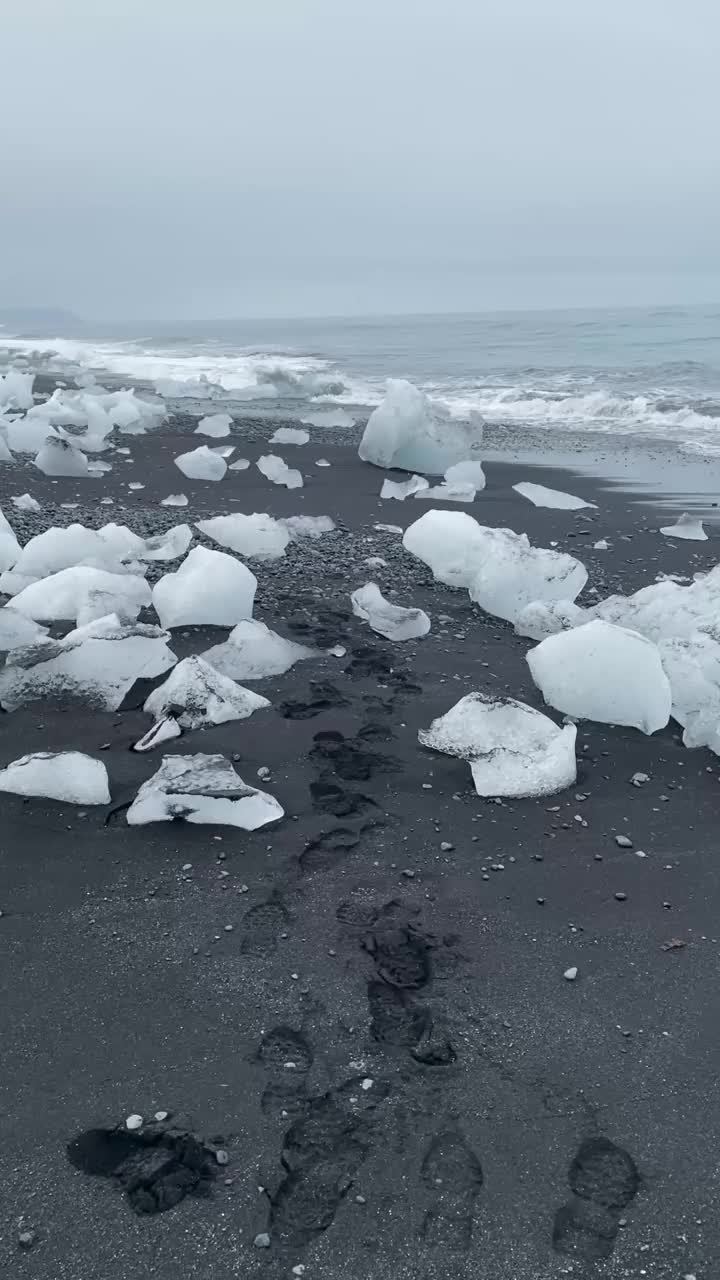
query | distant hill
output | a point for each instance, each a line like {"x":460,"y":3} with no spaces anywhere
{"x":38,"y":321}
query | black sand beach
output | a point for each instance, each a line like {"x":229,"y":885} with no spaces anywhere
{"x":398,"y":939}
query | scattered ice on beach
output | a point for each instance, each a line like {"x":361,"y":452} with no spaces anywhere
{"x":515,"y":574}
{"x":692,"y":665}
{"x":197,"y":695}
{"x":276,"y":470}
{"x":59,"y":457}
{"x":163,"y":731}
{"x":69,"y":776}
{"x":209,"y":588}
{"x":328,"y":418}
{"x":468,"y":473}
{"x":201,"y":464}
{"x":512,"y":749}
{"x":252,"y":652}
{"x":307,"y":526}
{"x":408,"y":432}
{"x":686,"y":527}
{"x":540,"y":496}
{"x":25,"y":502}
{"x":603,"y":672}
{"x":95,"y":664}
{"x":217,"y":425}
{"x":241,"y":464}
{"x":257,"y":535}
{"x":175,"y":500}
{"x":16,"y":389}
{"x":389,"y":620}
{"x":61,"y":596}
{"x":402,"y":489}
{"x":289,"y":435}
{"x":17,"y":630}
{"x":202,"y":789}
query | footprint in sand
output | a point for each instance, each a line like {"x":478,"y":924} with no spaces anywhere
{"x":603,"y":1179}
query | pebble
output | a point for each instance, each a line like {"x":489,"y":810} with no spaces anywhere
{"x":624,"y":842}
{"x":222,"y":1157}
{"x":161,"y":1115}
{"x":639,"y":779}
{"x":26,"y":1239}
{"x":299,"y":1270}
{"x":409,"y":875}
{"x":134,"y":1122}
{"x":570,"y":974}
{"x":621,"y":897}
{"x":262,"y":1241}
{"x":263,"y":773}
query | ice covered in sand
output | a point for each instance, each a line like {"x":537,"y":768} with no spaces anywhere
{"x":16,"y":389}
{"x":407,"y":431}
{"x":175,"y":500}
{"x":69,"y":776}
{"x":210,"y":588}
{"x":257,"y":535}
{"x":389,"y":620}
{"x":603,"y":672}
{"x":61,"y":596}
{"x":17,"y":630}
{"x":96,"y":664}
{"x":197,"y":695}
{"x":514,"y":574}
{"x":686,"y":527}
{"x":275,"y":469}
{"x":25,"y":502}
{"x":9,"y":546}
{"x":202,"y":789}
{"x":307,"y":526}
{"x":201,"y":464}
{"x":217,"y":425}
{"x":542,"y":497}
{"x":402,"y":489}
{"x":512,"y":749}
{"x":289,"y":435}
{"x":252,"y":652}
{"x":59,"y":457}
{"x":692,"y":665}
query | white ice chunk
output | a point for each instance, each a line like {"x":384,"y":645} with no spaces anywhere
{"x":203,"y":789}
{"x":252,"y":652}
{"x":402,"y":489}
{"x":63,"y":548}
{"x":175,"y":500}
{"x":17,"y":630}
{"x":322,"y":462}
{"x":512,"y":749}
{"x":209,"y":588}
{"x":61,"y":596}
{"x":25,"y":502}
{"x":275,"y":469}
{"x":387,"y":619}
{"x":197,"y":695}
{"x":289,"y":435}
{"x":201,"y":464}
{"x":450,"y":543}
{"x":307,"y":526}
{"x":59,"y":457}
{"x":16,"y":389}
{"x":217,"y":425}
{"x":69,"y":776}
{"x":5,"y":453}
{"x":257,"y":535}
{"x":407,"y":431}
{"x":605,"y":673}
{"x":686,"y":527}
{"x":9,"y":546}
{"x":241,"y":464}
{"x":692,"y":665}
{"x":665,"y":608}
{"x":515,"y":575}
{"x":453,"y":492}
{"x":540,"y":496}
{"x":466,"y":473}
{"x":540,"y":619}
{"x":96,"y":664}
{"x":167,"y":546}
{"x":163,"y":731}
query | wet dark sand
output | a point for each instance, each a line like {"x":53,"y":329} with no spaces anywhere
{"x":437,"y":974}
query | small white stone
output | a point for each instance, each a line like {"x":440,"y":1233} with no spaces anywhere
{"x":262,"y":1241}
{"x":367,"y":1084}
{"x":263,"y":773}
{"x":134,"y":1122}
{"x":624,"y":842}
{"x":299,"y":1270}
{"x":571,"y":974}
{"x":161,"y":1115}
{"x":639,"y":779}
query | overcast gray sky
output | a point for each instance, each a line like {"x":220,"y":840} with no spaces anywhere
{"x":208,"y":158}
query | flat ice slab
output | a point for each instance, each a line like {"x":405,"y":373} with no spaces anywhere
{"x":540,"y":496}
{"x":69,"y":776}
{"x":686,"y":527}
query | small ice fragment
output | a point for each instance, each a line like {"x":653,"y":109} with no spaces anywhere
{"x":257,"y":535}
{"x":26,"y":503}
{"x":466,"y":473}
{"x":602,"y":545}
{"x":276,"y":470}
{"x":216,"y":424}
{"x":163,"y":731}
{"x":134,"y":1122}
{"x":453,"y":492}
{"x":241,"y":464}
{"x":540,"y":496}
{"x":69,"y":776}
{"x":686,"y":527}
{"x":167,"y":546}
{"x":252,"y":652}
{"x":210,"y":588}
{"x":307,"y":526}
{"x":59,"y":457}
{"x":403,"y":489}
{"x":175,"y":500}
{"x":603,"y":672}
{"x":160,"y":1116}
{"x":388,"y":528}
{"x":388,"y":619}
{"x":201,"y":464}
{"x":323,"y":462}
{"x":136,"y":485}
{"x":289,"y":435}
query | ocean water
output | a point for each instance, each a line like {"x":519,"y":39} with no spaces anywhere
{"x":651,"y":372}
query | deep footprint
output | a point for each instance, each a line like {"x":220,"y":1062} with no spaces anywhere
{"x":452,"y":1172}
{"x":330,"y":797}
{"x":156,"y":1168}
{"x":263,"y":925}
{"x":323,"y":697}
{"x":327,"y":849}
{"x":401,"y":956}
{"x":604,"y":1179}
{"x":347,"y":759}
